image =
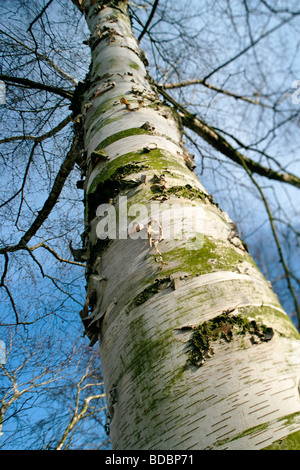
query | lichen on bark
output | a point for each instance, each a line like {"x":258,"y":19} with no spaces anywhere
{"x":224,"y":327}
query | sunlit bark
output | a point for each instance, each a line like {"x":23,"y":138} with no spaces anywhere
{"x":147,"y":296}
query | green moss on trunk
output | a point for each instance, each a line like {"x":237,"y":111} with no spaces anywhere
{"x":151,"y":290}
{"x":212,"y":256}
{"x":110,"y":187}
{"x":121,"y":135}
{"x":155,"y":159}
{"x":224,"y":326}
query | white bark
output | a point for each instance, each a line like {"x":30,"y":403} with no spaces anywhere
{"x":245,"y":396}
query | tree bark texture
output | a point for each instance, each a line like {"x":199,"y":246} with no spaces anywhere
{"x":196,"y":350}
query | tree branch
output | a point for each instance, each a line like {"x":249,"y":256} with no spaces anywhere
{"x":63,"y":173}
{"x":277,"y":242}
{"x":36,"y":85}
{"x":199,"y":81}
{"x":53,"y":252}
{"x":280,"y":10}
{"x":250,"y":46}
{"x":39,"y":15}
{"x":40,"y":138}
{"x":149,"y":20}
{"x":12,"y":303}
{"x":216,"y":140}
{"x":42,"y":57}
{"x":4,"y":270}
{"x":21,"y":190}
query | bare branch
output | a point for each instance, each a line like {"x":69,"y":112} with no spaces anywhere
{"x":53,"y":252}
{"x":21,"y":190}
{"x":81,"y":413}
{"x":149,"y":20}
{"x":274,"y":232}
{"x":280,"y":10}
{"x":63,"y":173}
{"x":12,"y":303}
{"x":40,"y":138}
{"x":39,"y":86}
{"x":39,"y":15}
{"x":170,"y":86}
{"x":252,"y":44}
{"x":7,"y":289}
{"x":4,"y":270}
{"x":42,"y":57}
{"x":216,"y":140}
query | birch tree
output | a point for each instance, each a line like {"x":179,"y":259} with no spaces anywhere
{"x":48,"y":401}
{"x":196,"y":349}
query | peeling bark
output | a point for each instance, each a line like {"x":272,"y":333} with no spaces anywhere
{"x":146,"y":296}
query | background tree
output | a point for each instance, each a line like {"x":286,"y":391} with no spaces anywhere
{"x":244,"y":133}
{"x":42,"y":371}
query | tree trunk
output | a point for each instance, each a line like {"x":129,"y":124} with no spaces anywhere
{"x":196,"y":350}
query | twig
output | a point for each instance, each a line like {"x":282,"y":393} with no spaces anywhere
{"x":34,"y":21}
{"x":171,"y":86}
{"x":37,"y":85}
{"x":4,"y":270}
{"x":274,"y":232}
{"x":39,"y":138}
{"x":216,"y":140}
{"x":48,"y":248}
{"x":149,"y":20}
{"x":21,"y":190}
{"x":63,"y":173}
{"x":39,"y":15}
{"x":43,"y":57}
{"x":250,"y":46}
{"x":12,"y":303}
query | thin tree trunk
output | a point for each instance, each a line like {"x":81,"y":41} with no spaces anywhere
{"x":196,"y":350}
